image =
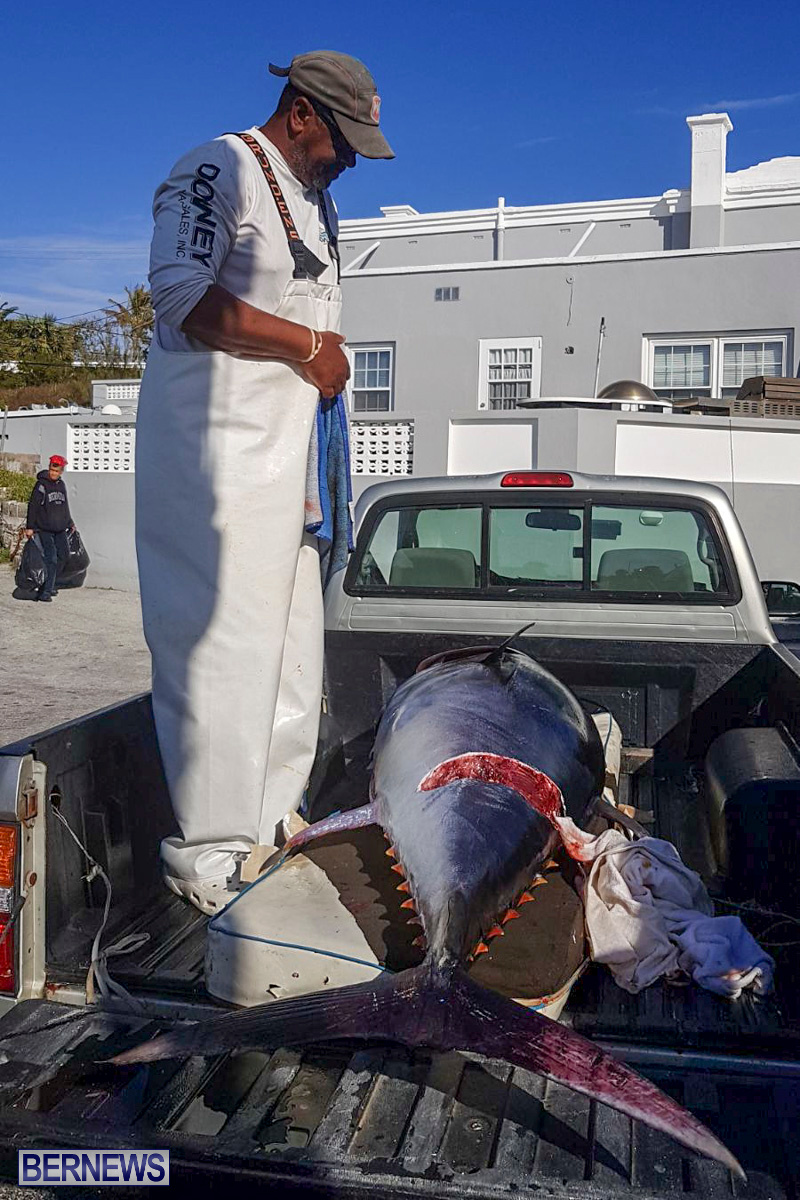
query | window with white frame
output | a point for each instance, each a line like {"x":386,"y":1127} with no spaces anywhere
{"x":510,"y":371}
{"x":712,"y":365}
{"x":372,"y":378}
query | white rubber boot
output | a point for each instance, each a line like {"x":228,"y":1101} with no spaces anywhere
{"x":209,"y":895}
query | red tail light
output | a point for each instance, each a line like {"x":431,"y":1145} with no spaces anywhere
{"x":8,"y":882}
{"x":8,"y":975}
{"x":537,"y":479}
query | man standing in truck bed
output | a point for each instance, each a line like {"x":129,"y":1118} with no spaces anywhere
{"x":245,"y":281}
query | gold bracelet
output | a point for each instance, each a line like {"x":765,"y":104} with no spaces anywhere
{"x":316,"y":346}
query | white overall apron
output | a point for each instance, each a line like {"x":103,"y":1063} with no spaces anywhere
{"x":230,"y":587}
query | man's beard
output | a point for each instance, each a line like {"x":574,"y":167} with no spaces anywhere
{"x":311,"y":175}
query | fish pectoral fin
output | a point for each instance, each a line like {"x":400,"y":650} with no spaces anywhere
{"x":353,"y":818}
{"x":579,"y":844}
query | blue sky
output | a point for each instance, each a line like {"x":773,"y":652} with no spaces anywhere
{"x":539,"y":102}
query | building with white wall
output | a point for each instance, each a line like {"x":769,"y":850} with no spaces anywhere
{"x":454,"y":314}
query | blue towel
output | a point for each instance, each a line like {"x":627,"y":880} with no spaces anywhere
{"x":328,"y":487}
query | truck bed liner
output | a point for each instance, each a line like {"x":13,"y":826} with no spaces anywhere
{"x":377,"y":1120}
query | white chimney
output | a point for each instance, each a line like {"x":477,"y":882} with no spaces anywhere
{"x":709,"y":135}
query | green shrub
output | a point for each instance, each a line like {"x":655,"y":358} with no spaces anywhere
{"x":20,"y":486}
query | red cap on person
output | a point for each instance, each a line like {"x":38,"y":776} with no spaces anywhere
{"x":57,"y":460}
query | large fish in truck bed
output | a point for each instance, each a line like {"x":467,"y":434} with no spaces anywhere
{"x":483,"y":762}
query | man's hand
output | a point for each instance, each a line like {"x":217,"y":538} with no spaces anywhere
{"x":330,"y":370}
{"x":28,"y":533}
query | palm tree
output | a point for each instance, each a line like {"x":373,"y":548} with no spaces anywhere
{"x":44,"y":347}
{"x":134,"y":321}
{"x":7,"y":339}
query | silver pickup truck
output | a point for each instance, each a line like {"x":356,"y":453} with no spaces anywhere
{"x":592,"y":555}
{"x":646,"y":602}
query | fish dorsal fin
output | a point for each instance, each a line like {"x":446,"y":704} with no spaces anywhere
{"x":461,"y":654}
{"x":502,"y":666}
{"x":489,"y":655}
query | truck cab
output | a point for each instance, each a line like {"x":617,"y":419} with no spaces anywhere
{"x":597,"y":556}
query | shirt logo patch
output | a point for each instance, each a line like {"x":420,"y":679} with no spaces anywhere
{"x":375,"y":111}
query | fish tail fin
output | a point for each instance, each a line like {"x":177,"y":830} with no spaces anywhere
{"x":499,"y":1028}
{"x":440,"y":1007}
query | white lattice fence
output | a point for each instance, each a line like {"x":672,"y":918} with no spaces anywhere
{"x":382,"y":447}
{"x":122,"y":391}
{"x":102,"y":447}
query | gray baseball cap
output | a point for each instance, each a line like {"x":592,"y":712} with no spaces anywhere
{"x":345,"y":86}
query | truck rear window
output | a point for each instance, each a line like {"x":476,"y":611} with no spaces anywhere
{"x":578,"y":548}
{"x":424,"y":548}
{"x":655,"y":550}
{"x":540,"y":545}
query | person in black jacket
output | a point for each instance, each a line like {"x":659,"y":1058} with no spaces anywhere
{"x":49,"y":516}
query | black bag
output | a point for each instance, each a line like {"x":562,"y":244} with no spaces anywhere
{"x":31,"y":572}
{"x":72,"y":571}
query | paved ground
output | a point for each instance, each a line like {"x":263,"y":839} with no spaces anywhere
{"x":61,"y":660}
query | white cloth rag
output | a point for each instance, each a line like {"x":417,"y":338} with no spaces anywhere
{"x":648,"y":915}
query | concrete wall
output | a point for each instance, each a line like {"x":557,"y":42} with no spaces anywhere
{"x":102,"y":506}
{"x":101,"y":503}
{"x":423,"y":249}
{"x":520,"y":241}
{"x":607,"y":237}
{"x":22,"y":464}
{"x":756,"y":462}
{"x":714,"y":225}
{"x":37,"y":434}
{"x":745,"y":226}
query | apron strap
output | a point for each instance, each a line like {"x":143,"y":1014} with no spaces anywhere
{"x":306,"y":263}
{"x":333,"y":242}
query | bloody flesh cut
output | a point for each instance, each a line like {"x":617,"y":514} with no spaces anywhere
{"x":482,"y":765}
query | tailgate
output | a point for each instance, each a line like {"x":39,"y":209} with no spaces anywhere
{"x":377,"y":1121}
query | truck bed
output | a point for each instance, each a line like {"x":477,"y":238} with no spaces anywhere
{"x":377,"y":1120}
{"x":357,"y":1121}
{"x":374,"y":1121}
